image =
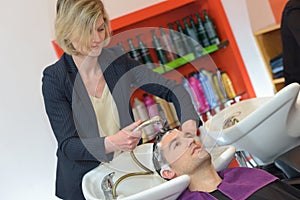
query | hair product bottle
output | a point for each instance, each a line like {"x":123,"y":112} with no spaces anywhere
{"x":158,"y":48}
{"x":177,"y":41}
{"x":168,"y":45}
{"x":228,"y":85}
{"x":195,"y":102}
{"x":120,"y":44}
{"x":220,"y":89}
{"x":151,"y":107}
{"x":197,"y":89}
{"x":141,"y":109}
{"x":184,"y":38}
{"x":133,"y":52}
{"x":202,"y":35}
{"x":144,"y":52}
{"x":208,"y":90}
{"x":210,"y":29}
{"x":193,"y":40}
{"x":168,"y":112}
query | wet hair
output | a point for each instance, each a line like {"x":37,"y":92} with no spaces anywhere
{"x":158,"y":157}
{"x":75,"y":19}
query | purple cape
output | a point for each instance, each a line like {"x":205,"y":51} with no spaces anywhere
{"x":238,"y":184}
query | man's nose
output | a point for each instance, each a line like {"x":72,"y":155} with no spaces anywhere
{"x":190,"y":141}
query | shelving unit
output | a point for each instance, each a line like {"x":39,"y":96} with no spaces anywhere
{"x":227,"y":59}
{"x":270,"y":45}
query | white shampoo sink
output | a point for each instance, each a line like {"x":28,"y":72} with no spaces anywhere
{"x":144,"y":186}
{"x":265,"y":127}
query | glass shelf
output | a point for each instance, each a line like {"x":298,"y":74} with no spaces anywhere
{"x":188,"y":58}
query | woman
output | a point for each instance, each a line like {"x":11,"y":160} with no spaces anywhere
{"x":87,"y":91}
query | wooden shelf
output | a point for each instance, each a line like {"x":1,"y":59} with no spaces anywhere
{"x":270,"y":46}
{"x":268,"y":29}
{"x":147,"y":13}
{"x":278,"y":81}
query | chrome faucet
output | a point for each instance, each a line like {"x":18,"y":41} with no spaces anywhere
{"x":107,"y":186}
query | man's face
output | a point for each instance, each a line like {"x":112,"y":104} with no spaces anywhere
{"x":183,"y":153}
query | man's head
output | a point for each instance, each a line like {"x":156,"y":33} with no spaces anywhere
{"x":177,"y":153}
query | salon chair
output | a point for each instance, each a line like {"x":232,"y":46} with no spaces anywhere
{"x":289,"y":164}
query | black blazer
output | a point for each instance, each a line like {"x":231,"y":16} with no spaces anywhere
{"x":73,"y":120}
{"x":290,"y":34}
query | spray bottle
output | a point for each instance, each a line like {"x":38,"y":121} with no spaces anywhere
{"x":197,"y":89}
{"x":140,"y":108}
{"x":228,"y":85}
{"x":208,"y":89}
{"x":151,"y":107}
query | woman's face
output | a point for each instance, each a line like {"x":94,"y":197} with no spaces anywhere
{"x":98,"y":34}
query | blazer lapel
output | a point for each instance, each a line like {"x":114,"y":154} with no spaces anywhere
{"x":83,"y":112}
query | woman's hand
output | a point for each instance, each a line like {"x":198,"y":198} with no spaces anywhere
{"x":124,"y":140}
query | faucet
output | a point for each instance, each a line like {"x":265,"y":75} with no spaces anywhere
{"x":107,"y":186}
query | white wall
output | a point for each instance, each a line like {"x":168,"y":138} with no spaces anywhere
{"x":240,"y":23}
{"x":27,"y":146}
{"x":117,"y":9}
{"x":260,"y":14}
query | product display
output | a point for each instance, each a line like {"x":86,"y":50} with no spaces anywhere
{"x":192,"y":36}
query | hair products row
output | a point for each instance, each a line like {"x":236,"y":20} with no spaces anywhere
{"x":185,"y":36}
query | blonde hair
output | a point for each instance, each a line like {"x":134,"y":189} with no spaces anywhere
{"x":76,"y":19}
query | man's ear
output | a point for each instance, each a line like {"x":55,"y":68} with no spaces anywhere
{"x":168,"y":174}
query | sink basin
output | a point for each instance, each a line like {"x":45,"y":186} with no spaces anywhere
{"x":144,"y":186}
{"x":265,"y":127}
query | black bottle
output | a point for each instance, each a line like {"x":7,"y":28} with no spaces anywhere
{"x":177,"y":41}
{"x":210,"y":29}
{"x":193,"y":39}
{"x":133,"y":52}
{"x":184,"y":37}
{"x":158,"y":48}
{"x":120,"y":44}
{"x":190,"y":30}
{"x":144,"y":52}
{"x":167,"y":44}
{"x":202,"y":35}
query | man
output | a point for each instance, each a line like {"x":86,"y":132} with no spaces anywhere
{"x":177,"y":153}
{"x":290,"y":34}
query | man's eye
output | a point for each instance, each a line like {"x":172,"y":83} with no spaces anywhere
{"x":189,"y":135}
{"x":177,"y":144}
{"x":100,"y":29}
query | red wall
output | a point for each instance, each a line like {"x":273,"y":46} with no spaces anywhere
{"x":277,"y":8}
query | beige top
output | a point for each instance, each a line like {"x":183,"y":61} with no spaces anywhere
{"x":106,"y":113}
